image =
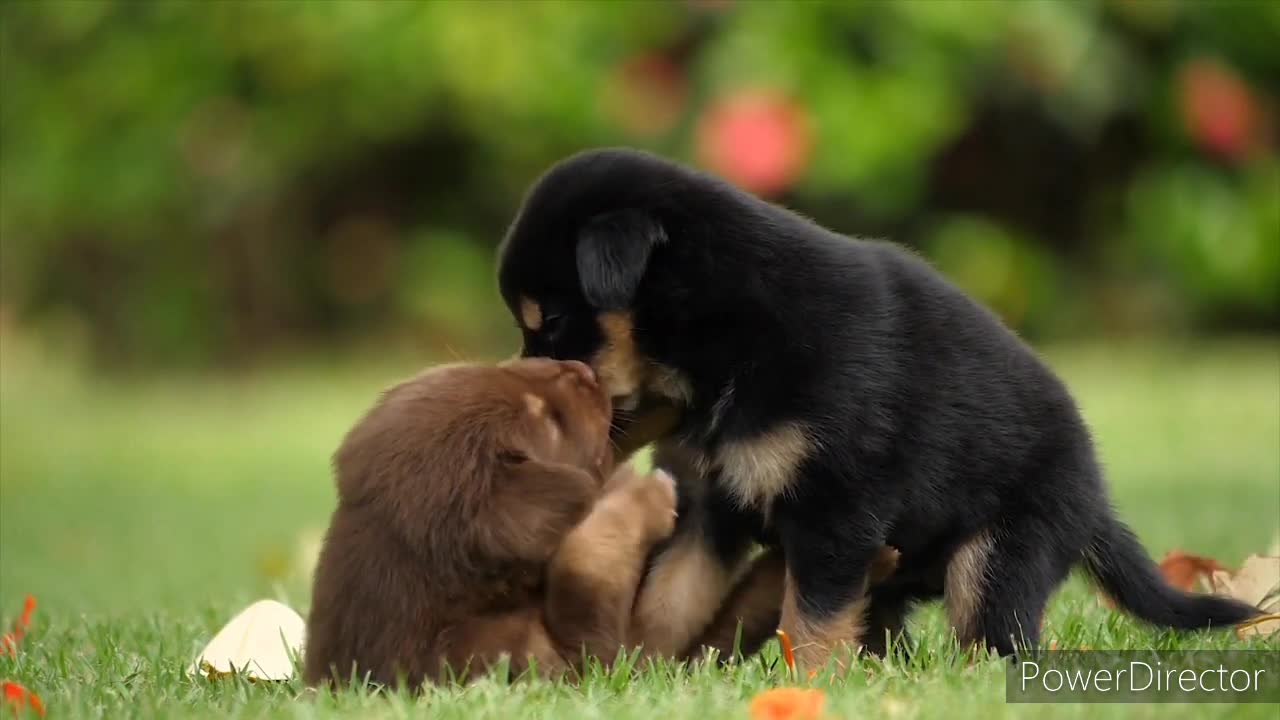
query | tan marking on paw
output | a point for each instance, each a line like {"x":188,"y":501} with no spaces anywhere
{"x":817,"y":641}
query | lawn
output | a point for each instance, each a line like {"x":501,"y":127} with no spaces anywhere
{"x":143,"y":514}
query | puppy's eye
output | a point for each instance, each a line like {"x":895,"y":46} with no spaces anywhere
{"x":552,"y":325}
{"x":557,"y":417}
{"x":512,"y":457}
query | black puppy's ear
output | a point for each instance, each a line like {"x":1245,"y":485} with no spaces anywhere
{"x":613,"y":251}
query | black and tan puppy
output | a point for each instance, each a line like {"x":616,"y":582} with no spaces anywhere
{"x":474,"y":522}
{"x":837,"y":395}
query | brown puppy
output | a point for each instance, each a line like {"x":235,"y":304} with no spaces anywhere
{"x":470,"y":526}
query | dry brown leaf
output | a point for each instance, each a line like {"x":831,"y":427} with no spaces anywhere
{"x":1257,"y":582}
{"x":1183,"y":570}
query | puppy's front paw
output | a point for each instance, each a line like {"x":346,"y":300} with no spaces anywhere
{"x":654,"y":497}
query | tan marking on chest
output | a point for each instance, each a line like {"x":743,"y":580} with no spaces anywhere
{"x":758,"y":470}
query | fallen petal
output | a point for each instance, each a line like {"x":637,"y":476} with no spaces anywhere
{"x":17,"y":697}
{"x":258,"y":643}
{"x":788,"y":703}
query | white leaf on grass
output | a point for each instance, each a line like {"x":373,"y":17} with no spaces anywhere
{"x":259,"y":643}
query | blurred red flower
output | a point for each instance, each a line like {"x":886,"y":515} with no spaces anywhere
{"x":9,"y":641}
{"x":1218,"y":108}
{"x":759,"y":139}
{"x":18,"y":697}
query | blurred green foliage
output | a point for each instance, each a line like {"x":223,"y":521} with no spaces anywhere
{"x":194,"y":182}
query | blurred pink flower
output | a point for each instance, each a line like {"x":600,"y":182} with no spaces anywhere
{"x":1218,"y":108}
{"x":759,"y":139}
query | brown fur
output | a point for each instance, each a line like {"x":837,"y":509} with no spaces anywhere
{"x":693,"y":585}
{"x":752,"y":612}
{"x":686,"y":583}
{"x":468,"y":529}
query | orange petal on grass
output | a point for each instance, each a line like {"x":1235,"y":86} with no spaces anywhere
{"x":788,"y":654}
{"x":18,"y":697}
{"x":788,"y":703}
{"x":28,"y":607}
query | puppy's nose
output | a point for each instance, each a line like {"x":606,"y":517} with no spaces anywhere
{"x":581,"y":369}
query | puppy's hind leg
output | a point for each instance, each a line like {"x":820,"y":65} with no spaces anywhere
{"x":750,"y":614}
{"x":593,"y":578}
{"x":691,"y":574}
{"x":887,"y":621}
{"x":998,"y":583}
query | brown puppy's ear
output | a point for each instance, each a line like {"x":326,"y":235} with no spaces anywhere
{"x":536,"y":505}
{"x":613,"y":251}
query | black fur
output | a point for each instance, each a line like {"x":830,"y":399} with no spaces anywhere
{"x":934,"y":422}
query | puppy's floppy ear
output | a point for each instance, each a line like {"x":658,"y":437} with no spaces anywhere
{"x":536,"y":506}
{"x":613,"y":251}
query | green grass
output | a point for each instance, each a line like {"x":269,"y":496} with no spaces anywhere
{"x":144,"y":514}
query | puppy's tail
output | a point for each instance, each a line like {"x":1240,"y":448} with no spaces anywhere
{"x":1120,"y":565}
